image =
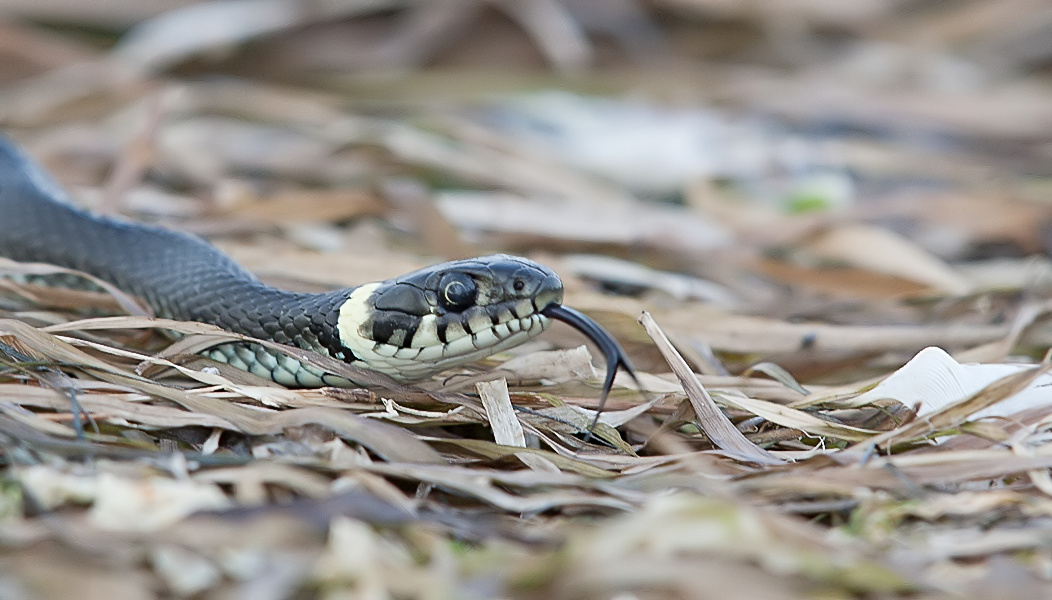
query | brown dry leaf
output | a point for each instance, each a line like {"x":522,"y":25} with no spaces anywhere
{"x":173,"y":37}
{"x":492,"y":451}
{"x":841,"y":281}
{"x":354,"y":267}
{"x":415,"y":204}
{"x":309,"y":205}
{"x":795,"y":419}
{"x":884,"y":252}
{"x":481,"y":484}
{"x":115,"y":408}
{"x":555,"y":365}
{"x":1012,"y":111}
{"x":555,"y":31}
{"x":982,"y":216}
{"x":28,"y":49}
{"x":62,"y":298}
{"x":857,"y":14}
{"x":744,"y":334}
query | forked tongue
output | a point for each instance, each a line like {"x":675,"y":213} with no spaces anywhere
{"x":612,"y":352}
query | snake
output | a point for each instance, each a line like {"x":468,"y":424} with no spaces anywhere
{"x":410,"y":327}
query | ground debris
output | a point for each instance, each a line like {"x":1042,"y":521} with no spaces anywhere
{"x":832,"y":219}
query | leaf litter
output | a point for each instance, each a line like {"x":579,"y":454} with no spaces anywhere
{"x":833,"y":236}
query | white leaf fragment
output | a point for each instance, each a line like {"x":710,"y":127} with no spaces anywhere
{"x":933,"y":379}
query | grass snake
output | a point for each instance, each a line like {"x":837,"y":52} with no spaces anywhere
{"x":409,"y":327}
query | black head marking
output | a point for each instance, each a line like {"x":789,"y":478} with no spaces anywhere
{"x":402,"y":297}
{"x":387,"y":324}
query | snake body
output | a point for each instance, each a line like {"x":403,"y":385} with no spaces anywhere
{"x":409,"y":327}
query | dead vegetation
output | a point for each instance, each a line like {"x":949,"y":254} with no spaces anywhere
{"x":773,"y":206}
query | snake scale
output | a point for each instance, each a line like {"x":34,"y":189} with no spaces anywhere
{"x":409,"y":327}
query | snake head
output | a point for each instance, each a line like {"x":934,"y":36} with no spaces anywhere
{"x":452,"y":313}
{"x":448,"y":314}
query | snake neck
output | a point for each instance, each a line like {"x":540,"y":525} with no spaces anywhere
{"x":309,"y":321}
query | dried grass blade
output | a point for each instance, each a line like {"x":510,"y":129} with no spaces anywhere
{"x":110,"y":407}
{"x":134,"y":322}
{"x":41,"y":425}
{"x":9,"y":267}
{"x":779,"y":374}
{"x":568,"y":419}
{"x":796,"y":419}
{"x":716,"y":426}
{"x":998,"y":351}
{"x":268,"y":395}
{"x":491,"y":451}
{"x":507,"y":431}
{"x":51,"y":297}
{"x":948,"y":473}
{"x":34,"y":432}
{"x":389,"y":441}
{"x":393,"y":443}
{"x":478,"y":483}
{"x":201,"y":336}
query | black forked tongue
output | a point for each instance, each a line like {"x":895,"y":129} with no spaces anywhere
{"x":612,"y":352}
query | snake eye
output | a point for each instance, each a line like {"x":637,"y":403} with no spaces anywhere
{"x":458,"y":292}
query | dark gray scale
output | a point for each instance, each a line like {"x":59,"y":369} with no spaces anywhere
{"x":198,"y":283}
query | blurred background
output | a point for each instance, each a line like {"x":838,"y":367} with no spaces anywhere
{"x":794,"y":161}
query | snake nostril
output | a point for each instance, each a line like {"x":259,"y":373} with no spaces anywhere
{"x":519,"y":285}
